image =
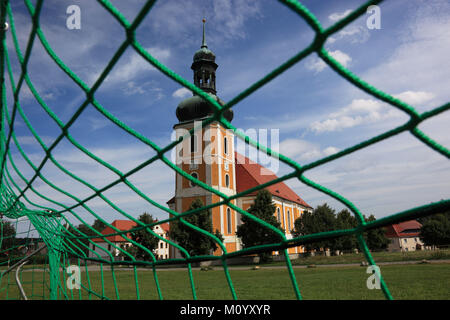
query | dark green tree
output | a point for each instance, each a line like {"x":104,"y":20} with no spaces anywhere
{"x":99,"y":225}
{"x":376,"y":239}
{"x":345,"y":220}
{"x":144,"y":238}
{"x":83,"y":231}
{"x":320,"y":220}
{"x":8,"y":238}
{"x":75,"y":241}
{"x":435,"y":230}
{"x":194,"y":242}
{"x":253,"y":233}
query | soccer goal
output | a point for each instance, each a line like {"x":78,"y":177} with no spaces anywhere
{"x":49,"y":248}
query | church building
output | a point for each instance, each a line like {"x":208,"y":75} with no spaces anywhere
{"x":226,"y":170}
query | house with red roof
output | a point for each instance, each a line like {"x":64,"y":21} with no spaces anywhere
{"x":405,"y":236}
{"x":112,"y":243}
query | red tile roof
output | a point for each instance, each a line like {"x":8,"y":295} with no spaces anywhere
{"x":165,"y":227}
{"x":122,"y":225}
{"x":409,"y":228}
{"x":250,"y":174}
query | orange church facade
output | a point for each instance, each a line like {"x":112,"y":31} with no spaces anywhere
{"x":209,"y":155}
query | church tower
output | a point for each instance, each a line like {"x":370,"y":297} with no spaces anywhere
{"x":208,"y":155}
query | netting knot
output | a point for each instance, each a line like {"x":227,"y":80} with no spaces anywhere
{"x":318,"y":42}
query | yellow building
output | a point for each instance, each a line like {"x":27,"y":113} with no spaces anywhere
{"x":210,"y":157}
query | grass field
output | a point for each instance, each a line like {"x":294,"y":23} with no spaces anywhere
{"x":413,"y":281}
{"x":350,"y":258}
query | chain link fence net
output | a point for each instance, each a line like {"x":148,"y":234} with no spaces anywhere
{"x":27,"y":225}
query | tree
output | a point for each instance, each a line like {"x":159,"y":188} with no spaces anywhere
{"x":435,"y":230}
{"x":322,"y":219}
{"x":194,"y":242}
{"x":376,"y":239}
{"x":144,"y":238}
{"x":83,"y":234}
{"x":75,"y":241}
{"x":7,"y":237}
{"x":82,"y":243}
{"x":253,"y":233}
{"x":99,"y":225}
{"x":345,"y":220}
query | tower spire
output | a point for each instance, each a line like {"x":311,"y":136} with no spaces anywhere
{"x":204,"y":67}
{"x":203,"y":39}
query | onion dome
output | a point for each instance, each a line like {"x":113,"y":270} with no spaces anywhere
{"x":195,"y":108}
{"x":204,"y":54}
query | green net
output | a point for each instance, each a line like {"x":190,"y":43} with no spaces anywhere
{"x":52,"y":229}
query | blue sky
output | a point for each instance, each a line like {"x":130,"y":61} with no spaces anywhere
{"x":316,"y":112}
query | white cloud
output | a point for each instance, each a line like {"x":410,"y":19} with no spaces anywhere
{"x":359,"y":106}
{"x":181,"y":93}
{"x":352,"y":33}
{"x":401,"y":172}
{"x":317,"y":65}
{"x":232,"y":15}
{"x":420,"y":62}
{"x":299,"y":149}
{"x":339,"y":15}
{"x":155,"y":180}
{"x":341,"y":57}
{"x":97,"y":123}
{"x":147,"y":87}
{"x":133,"y":65}
{"x":228,"y":19}
{"x":364,"y":111}
{"x":415,"y":98}
{"x":330,"y":150}
{"x":331,"y":39}
{"x":388,"y":177}
{"x":31,"y":140}
{"x":359,"y":111}
{"x":336,"y":124}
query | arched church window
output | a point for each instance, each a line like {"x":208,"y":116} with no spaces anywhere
{"x":289,"y":221}
{"x":225,"y":145}
{"x":228,"y":220}
{"x":195,"y":175}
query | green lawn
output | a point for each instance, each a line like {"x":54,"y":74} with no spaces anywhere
{"x":377,"y":256}
{"x":416,"y":281}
